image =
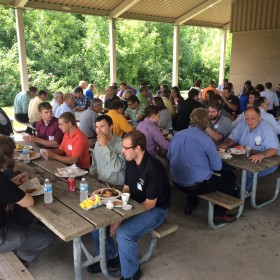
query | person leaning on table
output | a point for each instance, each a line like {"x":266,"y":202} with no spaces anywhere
{"x":195,"y":165}
{"x":259,"y":135}
{"x":16,"y":231}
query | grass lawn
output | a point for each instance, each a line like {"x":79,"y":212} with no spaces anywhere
{"x":10,"y":112}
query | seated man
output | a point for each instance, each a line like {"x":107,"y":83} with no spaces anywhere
{"x":57,"y":101}
{"x":219,"y":126}
{"x":195,"y":165}
{"x":5,"y":123}
{"x":15,"y":235}
{"x":81,"y":102}
{"x":67,"y":106}
{"x":49,"y":134}
{"x":231,"y":102}
{"x":33,"y":113}
{"x":110,"y":96}
{"x":135,"y":110}
{"x":74,"y":147}
{"x":120,"y":123}
{"x":257,"y":134}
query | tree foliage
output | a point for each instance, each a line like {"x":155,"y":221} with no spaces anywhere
{"x":64,"y":48}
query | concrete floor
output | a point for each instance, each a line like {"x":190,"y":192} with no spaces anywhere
{"x":247,"y":249}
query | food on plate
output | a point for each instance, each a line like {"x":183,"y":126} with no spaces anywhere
{"x":19,"y":147}
{"x":32,"y":153}
{"x":108,"y":192}
{"x":118,"y":203}
{"x":239,"y":147}
{"x":90,"y":202}
{"x":31,"y":190}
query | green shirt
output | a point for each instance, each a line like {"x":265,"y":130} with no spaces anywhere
{"x":132,"y":114}
{"x":143,"y":100}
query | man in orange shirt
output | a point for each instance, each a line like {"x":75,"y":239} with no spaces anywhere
{"x":210,"y":87}
{"x":74,"y":147}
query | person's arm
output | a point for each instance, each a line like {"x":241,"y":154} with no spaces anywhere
{"x":20,"y":179}
{"x":266,"y":154}
{"x":93,"y":167}
{"x":46,"y":143}
{"x":126,"y":189}
{"x":227,"y":143}
{"x":232,"y":106}
{"x":149,"y":203}
{"x":276,"y":100}
{"x":125,"y":126}
{"x":27,"y":201}
{"x":159,"y":139}
{"x":215,"y":135}
{"x":59,"y":155}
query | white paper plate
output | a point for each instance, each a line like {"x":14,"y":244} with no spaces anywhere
{"x":20,"y":150}
{"x":107,"y":198}
{"x":235,"y":151}
{"x":117,"y":202}
{"x":127,"y":207}
{"x":70,"y":171}
{"x":32,"y":184}
{"x":36,"y":155}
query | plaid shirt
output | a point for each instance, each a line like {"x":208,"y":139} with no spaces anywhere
{"x":81,"y":102}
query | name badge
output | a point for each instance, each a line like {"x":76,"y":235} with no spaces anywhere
{"x":51,"y":138}
{"x":258,"y":140}
{"x":216,"y":126}
{"x":139,"y":187}
{"x":70,"y":147}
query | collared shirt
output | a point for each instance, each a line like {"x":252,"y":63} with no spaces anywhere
{"x":222,"y":125}
{"x":33,"y":112}
{"x":271,"y":97}
{"x":120,"y":123}
{"x":76,"y":145}
{"x":132,"y":114}
{"x":234,"y":100}
{"x":108,"y":101}
{"x":168,"y":105}
{"x":261,"y":138}
{"x":87,"y":122}
{"x":148,"y":181}
{"x":193,"y":157}
{"x":89,"y":94}
{"x":143,"y":100}
{"x":108,"y":163}
{"x":81,"y":102}
{"x":55,"y":105}
{"x":153,"y":135}
{"x":50,"y":131}
{"x":62,"y":109}
{"x":265,"y":116}
{"x":21,"y":103}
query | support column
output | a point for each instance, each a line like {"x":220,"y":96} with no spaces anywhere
{"x":176,"y":41}
{"x":113,"y":61}
{"x":222,"y":56}
{"x":21,"y":49}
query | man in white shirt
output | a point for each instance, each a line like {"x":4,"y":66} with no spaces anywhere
{"x":271,"y":97}
{"x":33,"y":113}
{"x":57,"y":100}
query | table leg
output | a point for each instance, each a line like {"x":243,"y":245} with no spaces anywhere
{"x":242,"y":192}
{"x":103,"y":258}
{"x":77,"y":253}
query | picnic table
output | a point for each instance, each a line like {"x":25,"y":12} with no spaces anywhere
{"x":242,"y":162}
{"x":67,"y":220}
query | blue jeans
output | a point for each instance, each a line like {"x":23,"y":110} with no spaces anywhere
{"x":111,"y":250}
{"x":249,"y":179}
{"x":128,"y":234}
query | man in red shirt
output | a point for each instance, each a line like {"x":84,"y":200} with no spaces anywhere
{"x":74,"y":147}
{"x":49,"y":134}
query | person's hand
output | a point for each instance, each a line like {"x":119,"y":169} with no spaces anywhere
{"x":257,"y":158}
{"x":27,"y":138}
{"x":102,"y":140}
{"x":49,"y":154}
{"x":113,"y":228}
{"x":223,"y":97}
{"x":20,"y":179}
{"x":222,"y":146}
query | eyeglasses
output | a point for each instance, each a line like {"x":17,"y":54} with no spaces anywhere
{"x":127,"y":148}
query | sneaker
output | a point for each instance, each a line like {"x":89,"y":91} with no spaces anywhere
{"x":137,"y":275}
{"x":95,"y":267}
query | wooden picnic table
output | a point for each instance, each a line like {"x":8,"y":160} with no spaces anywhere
{"x":66,"y":218}
{"x":242,"y":162}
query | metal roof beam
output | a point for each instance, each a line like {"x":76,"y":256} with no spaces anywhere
{"x":196,"y":11}
{"x":20,"y":3}
{"x":122,"y":8}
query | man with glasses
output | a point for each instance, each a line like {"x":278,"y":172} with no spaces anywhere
{"x":49,"y":135}
{"x":135,"y":110}
{"x":108,"y":165}
{"x":219,"y":126}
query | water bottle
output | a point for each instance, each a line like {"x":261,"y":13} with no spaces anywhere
{"x":83,"y":190}
{"x":48,"y":198}
{"x":25,"y":153}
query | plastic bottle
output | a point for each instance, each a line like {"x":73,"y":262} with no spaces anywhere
{"x":83,"y":190}
{"x":25,"y":152}
{"x":48,"y":198}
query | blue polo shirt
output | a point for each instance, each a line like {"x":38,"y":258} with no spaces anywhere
{"x":193,"y":157}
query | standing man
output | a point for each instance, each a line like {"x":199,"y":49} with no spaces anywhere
{"x":33,"y":113}
{"x":67,"y":106}
{"x":89,"y":92}
{"x":74,"y":147}
{"x":57,"y":100}
{"x":120,"y":123}
{"x":49,"y":134}
{"x":87,"y":120}
{"x":108,"y":165}
{"x":21,"y":104}
{"x":80,"y":99}
{"x":23,"y":239}
{"x":195,"y":165}
{"x":147,"y":183}
{"x":219,"y":126}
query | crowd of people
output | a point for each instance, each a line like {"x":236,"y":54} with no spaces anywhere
{"x":127,"y":134}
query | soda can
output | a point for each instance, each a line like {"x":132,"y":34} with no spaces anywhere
{"x":71,"y":184}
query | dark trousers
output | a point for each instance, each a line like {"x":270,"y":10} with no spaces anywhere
{"x":224,"y":183}
{"x":23,"y":118}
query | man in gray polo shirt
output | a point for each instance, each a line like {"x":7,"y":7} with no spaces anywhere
{"x":88,"y":117}
{"x":219,"y":126}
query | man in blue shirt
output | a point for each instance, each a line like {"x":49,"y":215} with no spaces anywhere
{"x":257,"y":134}
{"x":89,"y":92}
{"x":193,"y":159}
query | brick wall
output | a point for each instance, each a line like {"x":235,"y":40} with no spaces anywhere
{"x":255,"y":56}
